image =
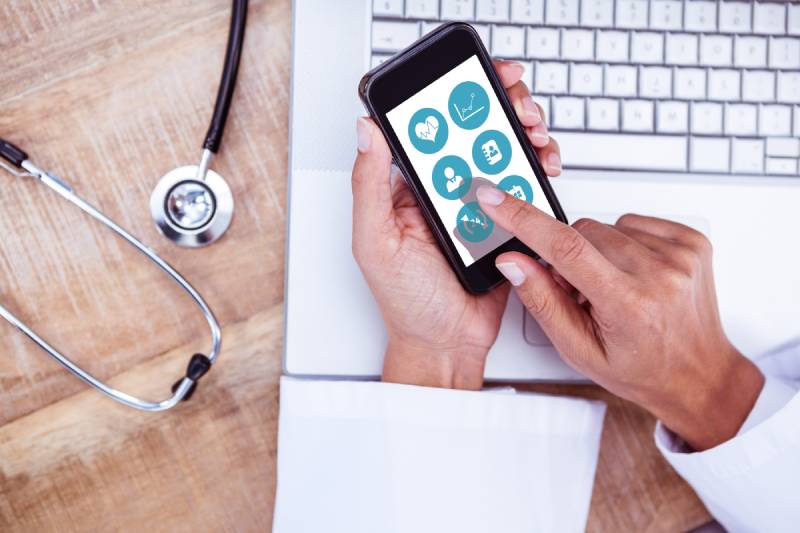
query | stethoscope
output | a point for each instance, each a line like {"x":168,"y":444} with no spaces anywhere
{"x":191,"y":205}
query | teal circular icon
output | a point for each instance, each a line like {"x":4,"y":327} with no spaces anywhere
{"x":491,"y":152}
{"x":518,"y":187}
{"x":427,"y":130}
{"x":473,"y":224}
{"x":452,"y":177}
{"x":468,"y":105}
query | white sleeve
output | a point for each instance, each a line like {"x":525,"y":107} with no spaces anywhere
{"x":369,"y":456}
{"x":749,"y":483}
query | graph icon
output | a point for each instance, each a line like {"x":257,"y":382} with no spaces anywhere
{"x":468,"y":105}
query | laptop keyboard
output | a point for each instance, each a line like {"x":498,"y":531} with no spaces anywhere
{"x":662,"y":85}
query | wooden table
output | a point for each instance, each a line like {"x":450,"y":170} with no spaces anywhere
{"x":112,"y":95}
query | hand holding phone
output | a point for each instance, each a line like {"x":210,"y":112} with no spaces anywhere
{"x":452,"y":128}
{"x":438,"y":333}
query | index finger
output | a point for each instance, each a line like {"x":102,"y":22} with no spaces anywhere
{"x":580,"y":263}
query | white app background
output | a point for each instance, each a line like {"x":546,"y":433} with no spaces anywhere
{"x":459,"y":143}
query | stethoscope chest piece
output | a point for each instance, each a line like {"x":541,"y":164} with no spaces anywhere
{"x":191,"y":210}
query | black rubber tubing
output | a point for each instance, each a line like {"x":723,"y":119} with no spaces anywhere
{"x":228,"y":82}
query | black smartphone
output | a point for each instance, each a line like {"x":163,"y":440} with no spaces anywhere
{"x":451,"y":129}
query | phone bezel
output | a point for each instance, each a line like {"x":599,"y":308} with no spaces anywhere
{"x":393,"y":82}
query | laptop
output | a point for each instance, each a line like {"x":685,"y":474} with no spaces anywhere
{"x":683,"y":109}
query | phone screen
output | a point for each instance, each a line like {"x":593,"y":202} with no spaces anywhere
{"x":457,"y":138}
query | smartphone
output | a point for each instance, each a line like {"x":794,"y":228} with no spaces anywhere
{"x":451,"y":129}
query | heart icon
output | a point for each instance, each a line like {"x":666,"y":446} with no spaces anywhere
{"x":427,"y":130}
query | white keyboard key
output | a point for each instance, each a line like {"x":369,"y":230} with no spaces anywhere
{"x":709,"y":154}
{"x":562,"y":12}
{"x":527,"y":11}
{"x":603,"y":114}
{"x":747,"y":156}
{"x":428,"y":27}
{"x":551,"y":78}
{"x":758,"y":86}
{"x":741,"y":119}
{"x":597,"y":13}
{"x":577,"y":45}
{"x":387,"y":8}
{"x":621,"y":151}
{"x":690,"y":83}
{"x":586,"y":79}
{"x":750,"y":52}
{"x":666,"y":15}
{"x":796,"y":121}
{"x":734,"y":17}
{"x":377,"y":59}
{"x":672,"y":117}
{"x":393,"y":36}
{"x":491,"y":10}
{"x":655,"y":82}
{"x":706,"y":118}
{"x":781,"y":166}
{"x":716,"y":50}
{"x":568,"y":113}
{"x":794,"y":19}
{"x":789,"y":87}
{"x":784,"y":53}
{"x":637,"y":115}
{"x":723,"y":85}
{"x":612,"y":46}
{"x":632,"y":14}
{"x":769,"y":18}
{"x":620,"y":80}
{"x":701,"y":16}
{"x":681,"y":49}
{"x":508,"y":41}
{"x":783,"y":147}
{"x":483,"y":33}
{"x":422,"y":9}
{"x":458,"y":9}
{"x":543,"y":43}
{"x":647,"y":48}
{"x":775,"y":120}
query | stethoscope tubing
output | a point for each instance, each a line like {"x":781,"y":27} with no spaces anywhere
{"x":230,"y":70}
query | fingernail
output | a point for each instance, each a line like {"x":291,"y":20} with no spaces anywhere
{"x":512,"y":273}
{"x":490,"y":195}
{"x":364,"y":135}
{"x":530,"y":108}
{"x":539,"y":135}
{"x":554,"y":161}
{"x":516,"y":65}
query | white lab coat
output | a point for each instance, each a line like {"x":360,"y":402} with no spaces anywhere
{"x":378,"y":457}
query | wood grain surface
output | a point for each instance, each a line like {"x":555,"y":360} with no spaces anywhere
{"x":111,"y":95}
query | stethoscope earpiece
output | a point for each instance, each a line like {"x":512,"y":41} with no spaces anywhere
{"x":192,"y":205}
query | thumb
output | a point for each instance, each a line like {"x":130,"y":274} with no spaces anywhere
{"x":566,"y":324}
{"x":372,"y":192}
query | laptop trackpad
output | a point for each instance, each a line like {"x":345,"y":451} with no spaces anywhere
{"x":534,"y":334}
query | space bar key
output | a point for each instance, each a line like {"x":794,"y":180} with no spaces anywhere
{"x":619,"y":151}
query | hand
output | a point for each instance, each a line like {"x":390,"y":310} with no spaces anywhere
{"x":633,"y":307}
{"x":439,"y":334}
